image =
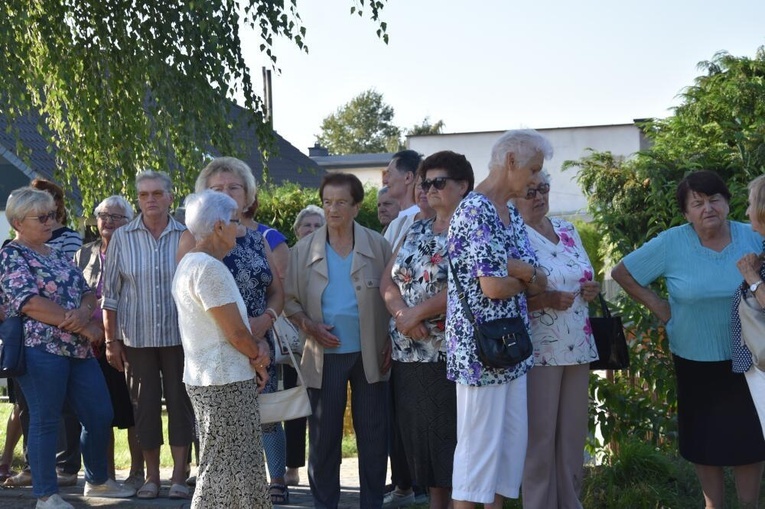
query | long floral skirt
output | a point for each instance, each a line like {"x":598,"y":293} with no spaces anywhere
{"x":231,"y":470}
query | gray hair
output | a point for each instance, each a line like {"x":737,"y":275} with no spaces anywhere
{"x":229,"y":165}
{"x":383,"y":190}
{"x":26,"y":200}
{"x":523,"y":143}
{"x":205,"y":209}
{"x":163,"y":177}
{"x":118,"y":201}
{"x":309,"y":210}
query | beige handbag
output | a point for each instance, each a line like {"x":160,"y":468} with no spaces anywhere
{"x":287,"y":404}
{"x":753,"y":327}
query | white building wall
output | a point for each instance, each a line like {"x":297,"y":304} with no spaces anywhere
{"x":569,"y":143}
{"x":5,"y":227}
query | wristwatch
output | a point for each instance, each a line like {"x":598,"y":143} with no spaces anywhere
{"x":754,"y":286}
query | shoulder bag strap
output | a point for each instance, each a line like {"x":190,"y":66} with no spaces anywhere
{"x":461,"y":294}
{"x":292,"y":356}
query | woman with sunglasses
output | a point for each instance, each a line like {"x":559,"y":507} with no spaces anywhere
{"x":414,"y":288}
{"x":42,"y":285}
{"x":563,"y":349}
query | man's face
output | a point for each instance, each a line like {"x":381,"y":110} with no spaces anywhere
{"x":153,"y":200}
{"x":398,"y":182}
{"x":387,"y":209}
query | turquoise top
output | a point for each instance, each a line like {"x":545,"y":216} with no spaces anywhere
{"x":339,"y":306}
{"x":701,"y":283}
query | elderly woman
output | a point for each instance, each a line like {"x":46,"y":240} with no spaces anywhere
{"x":252,"y":265}
{"x":717,"y":421}
{"x":333,"y":296}
{"x":496,"y":266}
{"x":223,"y":360}
{"x":42,"y":285}
{"x":141,"y":330}
{"x":62,"y":237}
{"x":563,"y":348}
{"x":753,"y":270}
{"x":308,"y":220}
{"x":112,"y":213}
{"x":414,"y":287}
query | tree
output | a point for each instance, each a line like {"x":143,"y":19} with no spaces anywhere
{"x":425,"y":127}
{"x":720,"y":125}
{"x":363,"y":125}
{"x":123,"y":85}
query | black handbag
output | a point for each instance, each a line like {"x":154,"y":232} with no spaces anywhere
{"x":501,"y":343}
{"x":610,"y":340}
{"x":12,"y":347}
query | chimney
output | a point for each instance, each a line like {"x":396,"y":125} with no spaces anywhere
{"x":317,"y":151}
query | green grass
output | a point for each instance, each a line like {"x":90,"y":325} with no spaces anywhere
{"x":121,"y":452}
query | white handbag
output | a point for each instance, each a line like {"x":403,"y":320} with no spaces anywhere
{"x":290,"y":341}
{"x":753,"y":328}
{"x":287,"y":404}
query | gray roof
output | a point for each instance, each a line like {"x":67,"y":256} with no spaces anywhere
{"x":338,"y":162}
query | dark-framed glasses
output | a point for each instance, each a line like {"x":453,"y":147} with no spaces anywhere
{"x":103,"y":216}
{"x":234,"y":220}
{"x":438,"y":182}
{"x":43,"y":218}
{"x":531,"y":192}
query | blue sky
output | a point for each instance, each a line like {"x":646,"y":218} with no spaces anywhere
{"x":502,"y":64}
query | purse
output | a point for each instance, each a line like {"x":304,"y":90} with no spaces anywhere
{"x":287,"y":404}
{"x":753,"y":327}
{"x":290,"y":340}
{"x":610,"y":340}
{"x":12,"y":347}
{"x":501,"y":343}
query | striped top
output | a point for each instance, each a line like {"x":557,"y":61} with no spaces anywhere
{"x":66,"y":240}
{"x":137,"y":284}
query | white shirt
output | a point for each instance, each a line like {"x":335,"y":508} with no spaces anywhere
{"x":201,"y":283}
{"x":399,"y":226}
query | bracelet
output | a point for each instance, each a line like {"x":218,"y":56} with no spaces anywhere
{"x":533,"y":276}
{"x":272,"y":314}
{"x":107,"y":341}
{"x":398,"y":313}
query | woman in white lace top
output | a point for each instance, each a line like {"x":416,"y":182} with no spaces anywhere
{"x":224,"y":364}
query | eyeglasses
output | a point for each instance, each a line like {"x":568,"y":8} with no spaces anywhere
{"x":531,"y":192}
{"x":44,"y":218}
{"x":144,"y":195}
{"x":103,"y":216}
{"x":231,"y":188}
{"x":235,"y":221}
{"x":438,"y":182}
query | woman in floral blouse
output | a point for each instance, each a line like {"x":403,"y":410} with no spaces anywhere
{"x":496,"y":266}
{"x":414,"y":289}
{"x":563,"y":349}
{"x":42,"y":285}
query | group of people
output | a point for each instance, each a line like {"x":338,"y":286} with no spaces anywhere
{"x":185,"y":313}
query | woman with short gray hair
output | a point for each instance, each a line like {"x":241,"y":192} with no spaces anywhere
{"x":225,"y":365}
{"x":112,"y":213}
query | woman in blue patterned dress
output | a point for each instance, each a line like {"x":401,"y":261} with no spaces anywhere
{"x":414,"y":288}
{"x":495,"y":265}
{"x":252,"y":265}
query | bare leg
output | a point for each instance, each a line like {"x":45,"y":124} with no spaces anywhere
{"x":748,"y":479}
{"x":499,"y":501}
{"x":180,"y":455}
{"x":12,"y":436}
{"x":462,"y":504}
{"x":440,"y":498}
{"x":136,"y":457}
{"x":712,"y":484}
{"x":151,"y":456}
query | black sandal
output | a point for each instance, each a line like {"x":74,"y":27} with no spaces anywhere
{"x":279,"y":494}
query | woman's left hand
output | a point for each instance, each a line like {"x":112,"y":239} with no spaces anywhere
{"x":409,"y":324}
{"x":589,"y":290}
{"x":75,"y":319}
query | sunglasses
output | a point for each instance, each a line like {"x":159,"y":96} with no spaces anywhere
{"x":531,"y":192}
{"x":44,"y":218}
{"x":103,"y":216}
{"x":438,"y":182}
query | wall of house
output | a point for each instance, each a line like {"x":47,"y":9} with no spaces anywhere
{"x":569,"y":143}
{"x":367,"y":176}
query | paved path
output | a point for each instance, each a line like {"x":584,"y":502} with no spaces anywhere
{"x":300,"y":496}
